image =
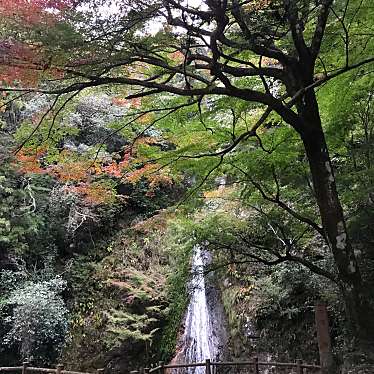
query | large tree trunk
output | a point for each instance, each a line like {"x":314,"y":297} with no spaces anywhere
{"x":360,"y":315}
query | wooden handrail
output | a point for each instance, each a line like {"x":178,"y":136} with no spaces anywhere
{"x":163,"y":367}
{"x":237,"y":363}
{"x":11,"y":368}
{"x":40,"y":370}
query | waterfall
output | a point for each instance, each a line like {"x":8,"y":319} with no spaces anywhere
{"x":200,"y":340}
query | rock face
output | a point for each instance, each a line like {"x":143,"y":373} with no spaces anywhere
{"x":204,"y":329}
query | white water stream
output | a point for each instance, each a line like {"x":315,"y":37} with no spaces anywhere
{"x":200,"y":340}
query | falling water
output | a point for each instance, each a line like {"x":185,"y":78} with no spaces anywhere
{"x":200,"y":340}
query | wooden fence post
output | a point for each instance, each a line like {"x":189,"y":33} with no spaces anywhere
{"x":255,"y":365}
{"x":207,"y":366}
{"x":25,"y":364}
{"x":323,"y":337}
{"x":299,"y":368}
{"x":161,"y":365}
{"x":59,"y":368}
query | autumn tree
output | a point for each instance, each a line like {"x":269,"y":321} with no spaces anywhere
{"x":231,"y":48}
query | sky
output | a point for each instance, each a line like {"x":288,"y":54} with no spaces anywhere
{"x":111,"y":7}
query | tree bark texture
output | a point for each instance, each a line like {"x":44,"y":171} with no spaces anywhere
{"x":360,"y":316}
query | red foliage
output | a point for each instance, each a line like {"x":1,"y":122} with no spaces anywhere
{"x":177,"y":56}
{"x":79,"y":175}
{"x":119,"y":101}
{"x":136,"y":102}
{"x":33,"y":12}
{"x":19,"y":62}
{"x":115,"y":169}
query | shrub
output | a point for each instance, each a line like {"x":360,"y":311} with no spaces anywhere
{"x":38,"y":319}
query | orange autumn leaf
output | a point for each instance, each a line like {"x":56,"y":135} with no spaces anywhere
{"x":27,"y":161}
{"x":72,"y":171}
{"x":112,"y":169}
{"x":147,"y":140}
{"x":138,"y":174}
{"x":212,"y":194}
{"x":93,"y":194}
{"x":158,"y":180}
{"x":119,"y":101}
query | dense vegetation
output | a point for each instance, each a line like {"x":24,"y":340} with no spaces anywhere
{"x":130,"y":132}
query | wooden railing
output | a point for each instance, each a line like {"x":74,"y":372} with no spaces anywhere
{"x":26,"y":368}
{"x":243,"y":367}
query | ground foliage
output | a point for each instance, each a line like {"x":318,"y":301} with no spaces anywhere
{"x":129,"y":312}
